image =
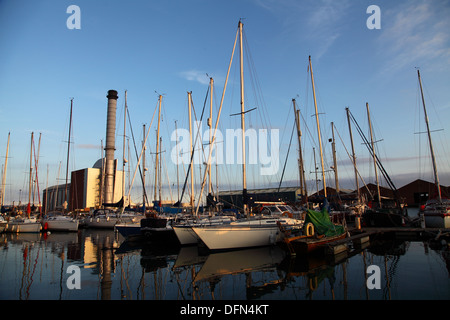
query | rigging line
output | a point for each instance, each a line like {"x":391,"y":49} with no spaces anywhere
{"x":135,"y":150}
{"x":193,"y":148}
{"x":139,"y":158}
{"x":351,"y":159}
{"x":371,"y":151}
{"x":287,"y":155}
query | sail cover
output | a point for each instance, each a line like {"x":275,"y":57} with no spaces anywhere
{"x":322,"y":223}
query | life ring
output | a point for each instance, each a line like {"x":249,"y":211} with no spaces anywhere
{"x":309,"y":229}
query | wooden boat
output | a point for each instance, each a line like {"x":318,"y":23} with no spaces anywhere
{"x":318,"y":230}
{"x":305,"y":244}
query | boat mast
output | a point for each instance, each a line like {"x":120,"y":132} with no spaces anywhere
{"x":211,"y":82}
{"x":436,"y":177}
{"x":4,"y":172}
{"x":244,"y":176}
{"x":178,"y":177}
{"x":218,"y":117}
{"x":374,"y":156}
{"x":123,"y":148}
{"x":333,"y":146}
{"x":353,"y":154}
{"x":143,"y":167}
{"x":157,"y":148}
{"x":318,"y":130}
{"x":192,"y":151}
{"x":65,"y":203}
{"x":31,"y":177}
{"x":301,"y":170}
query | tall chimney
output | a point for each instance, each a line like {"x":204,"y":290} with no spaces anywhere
{"x":110,"y":146}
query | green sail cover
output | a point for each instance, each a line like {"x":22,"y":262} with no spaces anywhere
{"x":322,"y":223}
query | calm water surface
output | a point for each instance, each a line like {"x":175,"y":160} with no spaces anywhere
{"x":35,"y":267}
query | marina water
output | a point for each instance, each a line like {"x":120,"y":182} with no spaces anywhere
{"x":106,"y":267}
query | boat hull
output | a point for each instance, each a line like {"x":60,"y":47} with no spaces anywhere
{"x":63,"y":225}
{"x":237,"y":236}
{"x":304,"y":245}
{"x":186,"y":235}
{"x":23,"y":227}
{"x":437,"y":220}
{"x":437,"y":213}
{"x":129,"y":231}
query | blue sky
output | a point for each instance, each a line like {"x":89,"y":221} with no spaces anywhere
{"x":169,"y":47}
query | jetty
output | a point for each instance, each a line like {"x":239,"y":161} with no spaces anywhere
{"x":361,"y":238}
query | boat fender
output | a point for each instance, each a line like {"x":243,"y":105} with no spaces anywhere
{"x":309,"y":229}
{"x":46,"y":226}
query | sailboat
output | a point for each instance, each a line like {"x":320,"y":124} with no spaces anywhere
{"x":246,"y":232}
{"x":26,"y":224}
{"x":436,"y":211}
{"x":391,"y":213}
{"x":318,"y":228}
{"x":58,"y":221}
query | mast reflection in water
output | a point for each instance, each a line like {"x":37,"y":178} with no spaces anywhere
{"x":34,"y":267}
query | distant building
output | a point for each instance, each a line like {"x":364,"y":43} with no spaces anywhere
{"x":84,"y":191}
{"x":419,"y":191}
{"x":233,"y":199}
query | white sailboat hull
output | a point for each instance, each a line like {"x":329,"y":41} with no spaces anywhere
{"x":60,"y":224}
{"x":26,"y":226}
{"x":187,"y":236}
{"x":244,"y":233}
{"x":237,"y":236}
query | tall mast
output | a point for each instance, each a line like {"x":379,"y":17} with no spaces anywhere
{"x":144,"y":147}
{"x":4,"y":172}
{"x":211,"y":81}
{"x":301,"y":170}
{"x":31,"y":176}
{"x":157,"y":148}
{"x":436,"y":177}
{"x":192,"y":151}
{"x":244,"y":175}
{"x":374,"y":156}
{"x":218,"y":116}
{"x":123,"y":148}
{"x":68,"y":152}
{"x":318,"y":130}
{"x":178,"y":178}
{"x":333,"y":146}
{"x":353,"y":153}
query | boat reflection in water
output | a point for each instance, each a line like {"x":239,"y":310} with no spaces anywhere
{"x":35,"y":266}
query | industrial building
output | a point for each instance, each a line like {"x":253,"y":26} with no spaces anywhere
{"x":84,"y":191}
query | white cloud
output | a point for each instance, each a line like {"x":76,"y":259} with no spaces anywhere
{"x":195,"y":75}
{"x":415,"y":34}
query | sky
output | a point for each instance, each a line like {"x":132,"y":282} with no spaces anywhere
{"x":170,"y":48}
